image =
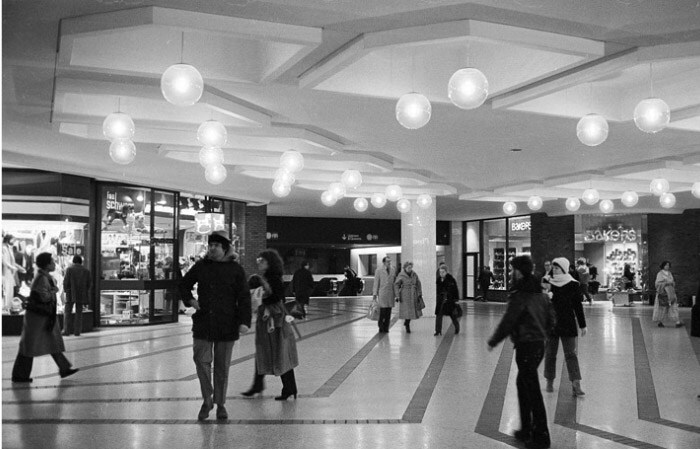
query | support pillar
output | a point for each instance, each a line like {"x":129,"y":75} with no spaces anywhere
{"x":418,"y":231}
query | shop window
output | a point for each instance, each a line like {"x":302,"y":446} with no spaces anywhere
{"x":494,"y":247}
{"x":519,"y":241}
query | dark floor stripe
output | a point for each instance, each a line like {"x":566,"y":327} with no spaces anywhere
{"x":612,"y":437}
{"x":58,"y":421}
{"x":565,"y":411}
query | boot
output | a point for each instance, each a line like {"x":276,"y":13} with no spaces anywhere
{"x":289,"y":386}
{"x":258,"y":386}
{"x":407,"y":325}
{"x":550,"y":386}
{"x":576,"y":388}
{"x":206,"y":408}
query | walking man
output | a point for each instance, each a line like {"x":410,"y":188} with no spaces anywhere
{"x":222,"y":313}
{"x":485,"y":279}
{"x":303,"y":286}
{"x":383,"y":292}
{"x":76,"y":284}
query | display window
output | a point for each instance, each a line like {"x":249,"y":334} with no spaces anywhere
{"x":494,"y":246}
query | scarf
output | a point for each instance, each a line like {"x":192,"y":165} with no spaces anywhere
{"x":560,"y":280}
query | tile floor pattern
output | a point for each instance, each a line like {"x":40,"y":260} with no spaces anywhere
{"x":359,"y":389}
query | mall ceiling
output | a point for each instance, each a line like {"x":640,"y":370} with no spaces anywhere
{"x":323,"y":77}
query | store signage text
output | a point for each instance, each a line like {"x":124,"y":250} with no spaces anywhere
{"x":206,"y":223}
{"x":520,"y":225}
{"x":620,"y":234}
{"x":112,"y":202}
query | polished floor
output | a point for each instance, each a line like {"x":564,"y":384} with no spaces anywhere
{"x":137,"y":388}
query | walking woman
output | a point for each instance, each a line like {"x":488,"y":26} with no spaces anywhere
{"x":409,"y":294}
{"x":568,"y":307}
{"x":41,"y":333}
{"x":447,"y":295}
{"x":666,"y":303}
{"x":275,"y":344}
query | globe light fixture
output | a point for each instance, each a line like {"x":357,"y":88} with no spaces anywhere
{"x":468,"y":88}
{"x":337,"y":189}
{"x":360,"y":204}
{"x":659,"y":186}
{"x":509,"y":208}
{"x":281,"y":189}
{"x":534,"y":203}
{"x":413,"y":110}
{"x":403,"y":205}
{"x":572,"y":204}
{"x":284,"y":176}
{"x":122,"y":151}
{"x":606,"y":206}
{"x":652,"y":115}
{"x":424,"y":201}
{"x":590,"y":196}
{"x":215,"y":174}
{"x":212,"y":133}
{"x":378,"y":200}
{"x":667,"y":200}
{"x":181,"y":85}
{"x":351,"y":179}
{"x":592,"y":129}
{"x":211,"y":156}
{"x":118,"y":126}
{"x":328,"y":199}
{"x":629,"y":198}
{"x":695,"y":190}
{"x":393,"y":192}
{"x":292,"y":160}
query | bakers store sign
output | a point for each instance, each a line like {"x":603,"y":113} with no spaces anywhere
{"x":620,"y":234}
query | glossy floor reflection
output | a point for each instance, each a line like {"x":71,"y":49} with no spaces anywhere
{"x":359,"y":389}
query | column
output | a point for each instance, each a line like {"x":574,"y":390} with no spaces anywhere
{"x":418,"y":232}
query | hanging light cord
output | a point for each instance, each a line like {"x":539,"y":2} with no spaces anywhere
{"x":182,"y":48}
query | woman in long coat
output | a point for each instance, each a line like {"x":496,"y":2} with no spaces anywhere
{"x":275,"y":344}
{"x":447,"y":295}
{"x":408,"y":292}
{"x":666,"y":291}
{"x":41,"y":334}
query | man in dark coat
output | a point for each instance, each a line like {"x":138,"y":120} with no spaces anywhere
{"x":222,"y":313}
{"x":76,"y":284}
{"x":303,"y":286}
{"x":485,"y":279}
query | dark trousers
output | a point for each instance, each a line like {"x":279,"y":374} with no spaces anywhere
{"x":485,"y":291}
{"x":438,"y":322}
{"x":384,"y":319}
{"x":72,"y":323}
{"x":533,"y":415}
{"x":289,"y":383}
{"x":23,"y":365}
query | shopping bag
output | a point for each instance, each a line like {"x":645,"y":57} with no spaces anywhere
{"x":373,"y":312}
{"x":294,"y":309}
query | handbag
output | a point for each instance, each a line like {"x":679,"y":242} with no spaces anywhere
{"x":294,"y":309}
{"x":373,"y":311}
{"x":420,"y":304}
{"x":457,"y":311}
{"x":663,"y":300}
{"x":36,"y":305}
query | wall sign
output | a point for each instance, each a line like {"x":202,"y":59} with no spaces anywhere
{"x":206,"y":223}
{"x":619,"y":234}
{"x":520,"y":226}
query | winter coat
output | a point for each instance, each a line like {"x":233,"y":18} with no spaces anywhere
{"x":568,"y":307}
{"x":447,"y":294}
{"x":407,"y":288}
{"x":528,"y":318}
{"x":275,"y":343}
{"x":76,"y":284}
{"x":384,"y":286}
{"x":41,"y":334}
{"x":302,"y":285}
{"x":223,"y":296}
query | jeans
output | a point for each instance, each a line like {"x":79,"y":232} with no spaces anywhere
{"x":533,"y":414}
{"x":23,"y":365}
{"x":585,"y":292}
{"x":220,"y":352}
{"x":71,"y":324}
{"x":384,"y":319}
{"x":570,"y":355}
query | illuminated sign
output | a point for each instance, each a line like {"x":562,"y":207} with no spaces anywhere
{"x":621,"y":234}
{"x":206,"y":223}
{"x":520,"y":225}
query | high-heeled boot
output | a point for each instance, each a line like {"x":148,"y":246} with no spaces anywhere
{"x":576,"y":388}
{"x":289,"y":386}
{"x":257,"y":387}
{"x":407,"y":325}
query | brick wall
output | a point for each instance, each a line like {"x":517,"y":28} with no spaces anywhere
{"x":255,"y":236}
{"x":676,"y":238}
{"x":551,"y":237}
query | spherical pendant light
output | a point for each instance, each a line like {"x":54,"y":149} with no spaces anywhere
{"x":378,"y":200}
{"x":211,"y":156}
{"x":122,"y":151}
{"x":659,"y":186}
{"x":424,"y":201}
{"x":292,"y":160}
{"x":696,"y":190}
{"x":534,"y":203}
{"x":328,"y":199}
{"x":590,"y":196}
{"x":403,"y":205}
{"x":360,"y":204}
{"x":393,"y":192}
{"x":630,"y":198}
{"x":212,"y":133}
{"x":413,"y":110}
{"x":118,"y":126}
{"x":592,"y":129}
{"x":284,"y":176}
{"x":337,"y":189}
{"x":215,"y":174}
{"x":182,"y":85}
{"x":572,"y":204}
{"x":351,"y":179}
{"x":652,"y":115}
{"x":606,"y":206}
{"x":468,"y":88}
{"x":281,"y":189}
{"x":509,"y":208}
{"x":667,"y":200}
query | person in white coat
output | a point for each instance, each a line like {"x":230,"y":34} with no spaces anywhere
{"x":383,"y":292}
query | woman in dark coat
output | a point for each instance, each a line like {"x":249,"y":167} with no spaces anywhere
{"x":41,"y":333}
{"x":447,"y":295}
{"x":567,"y":302}
{"x":275,"y":344}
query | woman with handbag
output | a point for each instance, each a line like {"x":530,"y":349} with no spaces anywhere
{"x":446,"y":304}
{"x":41,"y":333}
{"x":409,"y":294}
{"x":666,"y":304}
{"x":275,"y":344}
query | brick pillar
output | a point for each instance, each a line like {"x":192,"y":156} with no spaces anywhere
{"x":551,"y":237}
{"x":255,"y":236}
